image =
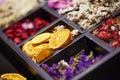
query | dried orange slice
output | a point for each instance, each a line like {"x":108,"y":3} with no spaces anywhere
{"x":60,"y":39}
{"x":37,"y":49}
{"x":44,"y":54}
{"x":43,"y":37}
{"x":42,"y":51}
{"x":27,"y":48}
{"x":12,"y":76}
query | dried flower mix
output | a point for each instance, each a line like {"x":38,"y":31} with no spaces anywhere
{"x":77,"y":64}
{"x":87,"y":13}
{"x":22,"y":30}
{"x":109,"y":31}
{"x":10,"y":10}
{"x":44,"y":44}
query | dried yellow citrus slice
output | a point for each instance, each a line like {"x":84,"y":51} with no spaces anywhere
{"x":42,"y":51}
{"x":43,"y":37}
{"x":60,"y":39}
{"x":37,"y":49}
{"x":12,"y":76}
{"x":27,"y":48}
{"x":44,"y":54}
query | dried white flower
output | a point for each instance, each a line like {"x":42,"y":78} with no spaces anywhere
{"x":113,"y":28}
{"x":87,"y":14}
{"x":84,"y":7}
{"x":75,"y":32}
{"x":60,"y":27}
{"x":73,"y":16}
{"x":63,"y":11}
{"x":63,"y":63}
{"x":119,"y":33}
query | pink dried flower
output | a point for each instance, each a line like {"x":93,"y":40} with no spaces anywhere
{"x":59,"y":4}
{"x":27,"y":25}
{"x":2,"y":1}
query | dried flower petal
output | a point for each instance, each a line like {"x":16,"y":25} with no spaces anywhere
{"x":77,"y":64}
{"x":68,"y":73}
{"x":2,"y":1}
{"x":109,"y":32}
{"x":59,"y":4}
{"x":28,"y":25}
{"x":22,"y":30}
{"x":71,"y":61}
{"x":17,"y":40}
{"x":80,"y":66}
{"x":86,"y":13}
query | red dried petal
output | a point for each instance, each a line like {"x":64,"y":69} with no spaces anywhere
{"x":115,"y":34}
{"x":27,"y":21}
{"x":8,"y":31}
{"x":114,"y":43}
{"x":110,"y":21}
{"x":17,"y":25}
{"x":45,"y":23}
{"x":10,"y":35}
{"x":119,"y":40}
{"x":104,"y":35}
{"x":32,"y":33}
{"x":38,"y":22}
{"x":17,"y":40}
{"x":18,"y":32}
{"x":24,"y":35}
{"x":104,"y":26}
